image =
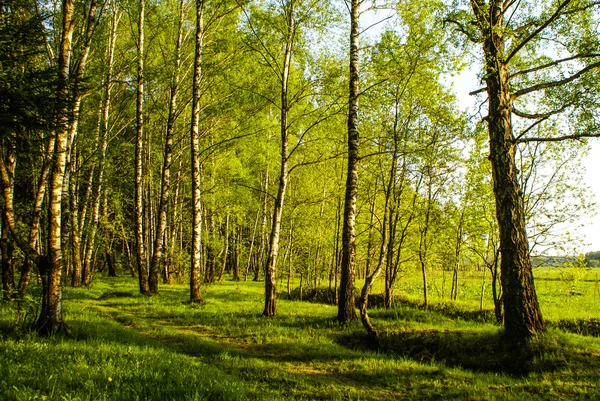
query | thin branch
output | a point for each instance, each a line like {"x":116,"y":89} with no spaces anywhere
{"x":478,"y":91}
{"x":553,"y":84}
{"x":532,"y":126}
{"x":540,"y":115}
{"x":372,"y":86}
{"x":553,"y":63}
{"x":376,"y":23}
{"x":577,"y":137}
{"x":311,"y":162}
{"x":531,"y":36}
{"x":463,"y":30}
{"x":256,"y":189}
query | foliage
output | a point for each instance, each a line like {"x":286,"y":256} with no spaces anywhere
{"x":27,"y":86}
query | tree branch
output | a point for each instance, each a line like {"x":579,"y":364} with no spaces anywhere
{"x":478,"y":91}
{"x":554,"y":16}
{"x":554,"y":63}
{"x":577,"y":137}
{"x":552,"y":84}
{"x":540,"y":115}
{"x":532,"y":126}
{"x":462,"y":29}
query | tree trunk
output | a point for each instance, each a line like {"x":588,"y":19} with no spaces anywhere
{"x":209,"y":272}
{"x":457,"y":255}
{"x":248,"y":265}
{"x":522,"y":315}
{"x":287,"y":256}
{"x":50,"y":319}
{"x":8,"y":274}
{"x":392,"y":273}
{"x":236,"y":263}
{"x":423,"y":242}
{"x":7,"y":166}
{"x":110,"y":262}
{"x":388,"y":229}
{"x":225,"y":249}
{"x":68,"y":225}
{"x":482,"y":290}
{"x":263,"y":229}
{"x":346,"y":308}
{"x":373,"y":205}
{"x":270,"y":284}
{"x":139,"y":168}
{"x":196,"y":266}
{"x":75,"y":228}
{"x":159,"y":242}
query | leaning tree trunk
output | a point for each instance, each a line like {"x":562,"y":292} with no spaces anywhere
{"x":522,"y":315}
{"x":40,"y":194}
{"x":139,"y":170}
{"x":50,"y":319}
{"x":383,"y":251}
{"x":196,"y":261}
{"x":346,"y":308}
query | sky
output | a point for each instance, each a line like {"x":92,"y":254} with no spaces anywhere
{"x":592,"y":179}
{"x":466,"y":82}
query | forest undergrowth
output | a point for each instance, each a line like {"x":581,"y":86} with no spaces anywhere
{"x":125,"y":346}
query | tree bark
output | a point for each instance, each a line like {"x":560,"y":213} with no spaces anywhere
{"x":97,"y":190}
{"x":457,"y":255}
{"x":522,"y":314}
{"x":238,"y":246}
{"x":196,"y":261}
{"x":270,"y":270}
{"x":424,"y":238}
{"x":8,"y":273}
{"x":263,"y":228}
{"x":251,"y":246}
{"x":50,"y":319}
{"x":211,"y":252}
{"x":75,"y":226}
{"x":346,"y":304}
{"x":225,"y":249}
{"x":139,"y":157}
{"x":159,"y":241}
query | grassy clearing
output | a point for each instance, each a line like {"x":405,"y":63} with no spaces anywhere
{"x":128,"y":347}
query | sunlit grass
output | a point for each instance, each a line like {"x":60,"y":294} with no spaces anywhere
{"x":125,"y":346}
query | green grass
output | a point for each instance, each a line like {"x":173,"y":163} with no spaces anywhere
{"x":563,"y":293}
{"x":124,"y":346}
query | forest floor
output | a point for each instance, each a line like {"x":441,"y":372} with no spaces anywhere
{"x":124,"y":346}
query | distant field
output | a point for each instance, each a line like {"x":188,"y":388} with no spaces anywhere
{"x":564,"y":293}
{"x":125,"y":346}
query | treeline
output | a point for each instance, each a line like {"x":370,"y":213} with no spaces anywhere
{"x":193,"y":141}
{"x":593,"y":259}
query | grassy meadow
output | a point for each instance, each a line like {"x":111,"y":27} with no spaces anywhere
{"x":124,"y":346}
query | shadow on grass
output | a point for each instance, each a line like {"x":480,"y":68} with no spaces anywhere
{"x":475,"y":351}
{"x":584,"y":327}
